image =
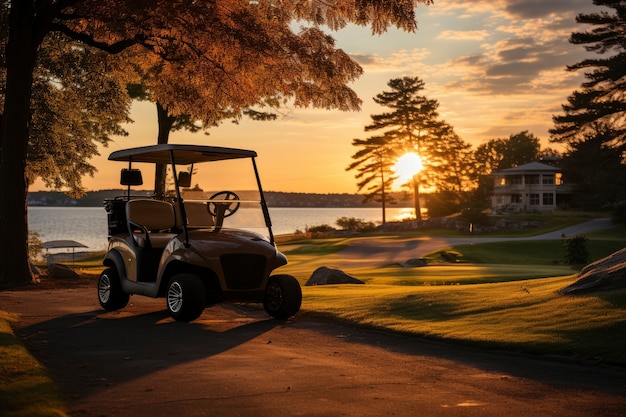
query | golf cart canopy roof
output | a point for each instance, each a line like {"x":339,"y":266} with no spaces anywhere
{"x":183,"y":154}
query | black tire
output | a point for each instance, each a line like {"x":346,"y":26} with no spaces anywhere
{"x":110,"y":292}
{"x":283,"y":297}
{"x":185,"y":297}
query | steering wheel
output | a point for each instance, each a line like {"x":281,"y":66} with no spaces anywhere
{"x":227,"y":209}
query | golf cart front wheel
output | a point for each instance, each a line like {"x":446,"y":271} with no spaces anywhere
{"x":110,"y":292}
{"x":283,"y":297}
{"x":185,"y":297}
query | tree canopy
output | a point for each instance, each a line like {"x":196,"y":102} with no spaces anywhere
{"x":226,"y":35}
{"x":602,"y":100}
{"x":497,"y":154}
{"x":411,"y":125}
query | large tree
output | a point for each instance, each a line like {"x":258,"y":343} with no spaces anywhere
{"x":602,"y":99}
{"x":496,"y":154}
{"x":409,"y":125}
{"x":64,"y":137}
{"x":168,"y":29}
{"x":374,"y":163}
{"x":597,"y":172}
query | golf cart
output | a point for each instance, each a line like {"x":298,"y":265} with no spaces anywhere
{"x":192,"y":247}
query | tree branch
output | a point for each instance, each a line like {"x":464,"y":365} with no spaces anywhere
{"x":113,"y":48}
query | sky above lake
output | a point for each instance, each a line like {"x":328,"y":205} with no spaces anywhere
{"x":496,"y":67}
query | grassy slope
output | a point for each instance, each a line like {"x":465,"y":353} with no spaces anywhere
{"x":512,"y":303}
{"x":26,"y":390}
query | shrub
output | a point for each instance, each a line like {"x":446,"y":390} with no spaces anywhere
{"x":474,"y":216}
{"x":320,"y":229}
{"x":576,"y":250}
{"x":354,"y":224}
{"x":619,"y":212}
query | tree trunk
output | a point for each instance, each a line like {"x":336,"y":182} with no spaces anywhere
{"x":416,"y":197}
{"x":383,"y":194}
{"x":20,"y":62}
{"x":165,"y":126}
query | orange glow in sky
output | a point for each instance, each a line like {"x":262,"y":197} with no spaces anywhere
{"x":496,"y":68}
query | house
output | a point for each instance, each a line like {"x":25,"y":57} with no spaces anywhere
{"x":533,"y":187}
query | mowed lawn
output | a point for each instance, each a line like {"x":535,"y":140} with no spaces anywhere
{"x":501,"y":295}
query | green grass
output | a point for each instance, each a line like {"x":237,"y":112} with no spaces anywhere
{"x":541,"y":252}
{"x":26,"y":389}
{"x":526,"y":316}
{"x":503,"y":295}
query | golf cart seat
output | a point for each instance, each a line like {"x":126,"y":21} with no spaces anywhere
{"x":197,"y":215}
{"x":150,"y":222}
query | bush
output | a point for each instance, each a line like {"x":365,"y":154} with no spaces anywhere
{"x":354,"y":224}
{"x":576,"y":250}
{"x":474,"y":216}
{"x":320,"y":229}
{"x":619,"y":212}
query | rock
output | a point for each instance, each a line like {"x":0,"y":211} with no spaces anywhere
{"x":327,"y":276}
{"x":607,"y":274}
{"x":59,"y":271}
{"x":414,"y":263}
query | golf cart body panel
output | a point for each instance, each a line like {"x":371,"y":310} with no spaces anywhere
{"x":186,"y":250}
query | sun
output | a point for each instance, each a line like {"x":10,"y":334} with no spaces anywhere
{"x":406,"y":167}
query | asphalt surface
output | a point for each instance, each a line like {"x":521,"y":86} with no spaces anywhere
{"x":235,"y":361}
{"x":370,"y":251}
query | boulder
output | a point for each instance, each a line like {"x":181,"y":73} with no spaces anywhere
{"x":415,"y":262}
{"x":327,"y":276}
{"x":606,"y":274}
{"x":59,"y":271}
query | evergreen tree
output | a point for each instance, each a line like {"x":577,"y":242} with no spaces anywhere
{"x":601,"y":101}
{"x":597,"y":172}
{"x":374,"y":162}
{"x":410,"y":124}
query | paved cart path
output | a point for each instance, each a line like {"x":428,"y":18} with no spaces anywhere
{"x":234,"y":361}
{"x":373,"y":251}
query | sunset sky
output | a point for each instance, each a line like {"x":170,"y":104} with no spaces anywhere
{"x":497,"y":67}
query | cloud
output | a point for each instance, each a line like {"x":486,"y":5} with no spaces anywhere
{"x":534,"y":9}
{"x":513,"y":9}
{"x":397,"y":61}
{"x":458,"y":35}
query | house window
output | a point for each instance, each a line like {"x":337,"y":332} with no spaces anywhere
{"x":548,"y":199}
{"x":515,"y":180}
{"x":534,"y":199}
{"x":548,"y":179}
{"x":532,"y":179}
{"x":516,"y":198}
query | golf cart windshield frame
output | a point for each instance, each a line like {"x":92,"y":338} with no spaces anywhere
{"x":191,"y":154}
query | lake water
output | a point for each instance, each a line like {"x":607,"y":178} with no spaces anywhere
{"x":88,"y":225}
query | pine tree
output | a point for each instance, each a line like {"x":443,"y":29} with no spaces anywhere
{"x":602,"y":99}
{"x":374,"y":162}
{"x":410,"y":125}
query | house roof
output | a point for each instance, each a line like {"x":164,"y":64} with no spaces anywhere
{"x":530,"y":167}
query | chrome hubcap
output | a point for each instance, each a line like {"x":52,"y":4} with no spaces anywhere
{"x":104,"y":288}
{"x":175,"y":297}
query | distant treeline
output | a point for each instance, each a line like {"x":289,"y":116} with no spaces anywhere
{"x":273,"y":198}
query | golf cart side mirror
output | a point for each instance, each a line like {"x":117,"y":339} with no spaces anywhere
{"x":184,"y":179}
{"x":131,"y":177}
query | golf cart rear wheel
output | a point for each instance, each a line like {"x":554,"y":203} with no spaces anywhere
{"x":110,"y":292}
{"x":185,"y":297}
{"x":283,"y":297}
